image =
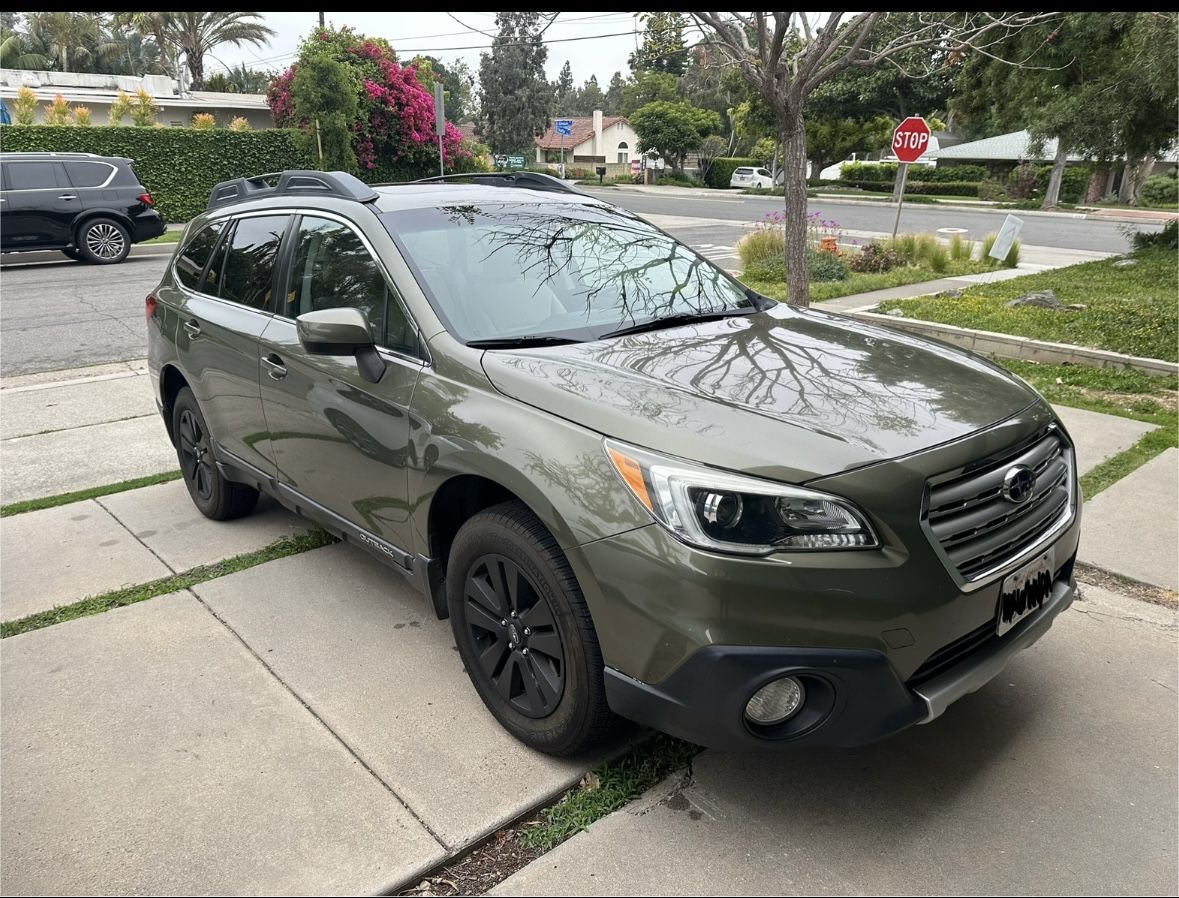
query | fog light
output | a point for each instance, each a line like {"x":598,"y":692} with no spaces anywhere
{"x":775,"y":702}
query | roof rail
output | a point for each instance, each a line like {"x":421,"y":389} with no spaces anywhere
{"x":289,"y":183}
{"x":529,"y":180}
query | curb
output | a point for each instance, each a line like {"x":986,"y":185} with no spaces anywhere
{"x":41,"y":256}
{"x":1010,"y":347}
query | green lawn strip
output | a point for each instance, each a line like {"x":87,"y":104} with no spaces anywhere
{"x":80,"y":495}
{"x":166,"y":237}
{"x":129,"y":595}
{"x":1130,"y":310}
{"x":606,"y":789}
{"x":1124,"y":392}
{"x":866,"y":283}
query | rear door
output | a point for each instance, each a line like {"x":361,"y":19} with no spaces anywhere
{"x":220,"y":324}
{"x":338,"y":439}
{"x":39,"y":205}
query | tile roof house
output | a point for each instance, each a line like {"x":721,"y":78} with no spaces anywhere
{"x":98,"y":92}
{"x":595,"y":139}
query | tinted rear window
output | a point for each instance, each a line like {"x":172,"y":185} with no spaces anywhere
{"x":192,"y":259}
{"x":88,"y":174}
{"x":744,"y":171}
{"x":32,"y":175}
{"x":249,"y":263}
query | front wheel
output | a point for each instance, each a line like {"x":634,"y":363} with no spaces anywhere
{"x":102,"y":241}
{"x":524,"y":631}
{"x":213,"y":495}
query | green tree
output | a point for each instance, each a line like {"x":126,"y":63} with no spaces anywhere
{"x":457,"y":84}
{"x":72,"y":42}
{"x":614,"y":95}
{"x":832,"y":139}
{"x":240,"y":79}
{"x":564,"y":92}
{"x":648,"y":87}
{"x":785,"y":56}
{"x":516,"y":97}
{"x":196,"y":33}
{"x":672,"y":130}
{"x":663,"y":48}
{"x":326,"y":92}
{"x":591,"y":97}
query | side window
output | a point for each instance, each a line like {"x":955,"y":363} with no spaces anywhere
{"x":190,"y":264}
{"x":33,"y":175}
{"x":249,"y":260}
{"x":333,"y":269}
{"x":88,"y":174}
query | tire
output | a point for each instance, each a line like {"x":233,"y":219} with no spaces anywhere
{"x":213,"y":495}
{"x":536,"y":664}
{"x":103,"y":241}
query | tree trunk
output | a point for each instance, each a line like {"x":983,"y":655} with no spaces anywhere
{"x":817,"y":166}
{"x":196,"y":71}
{"x":1096,"y":188}
{"x":1125,"y":188}
{"x":794,"y":174}
{"x":1052,"y":194}
{"x":1141,"y":172}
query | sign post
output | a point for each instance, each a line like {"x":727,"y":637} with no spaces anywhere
{"x":564,"y":127}
{"x":909,"y":141}
{"x":1006,"y":238}
{"x":440,"y":122}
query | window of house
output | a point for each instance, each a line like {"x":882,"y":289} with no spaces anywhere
{"x":623,"y":151}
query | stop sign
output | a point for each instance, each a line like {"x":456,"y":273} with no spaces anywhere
{"x":910,"y":139}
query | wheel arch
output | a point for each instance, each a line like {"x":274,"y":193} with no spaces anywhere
{"x":88,"y":215}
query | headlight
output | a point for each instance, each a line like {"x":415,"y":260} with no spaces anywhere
{"x":732,"y":513}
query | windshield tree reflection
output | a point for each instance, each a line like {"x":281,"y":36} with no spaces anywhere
{"x":554,"y":269}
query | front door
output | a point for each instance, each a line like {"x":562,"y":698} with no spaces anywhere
{"x":338,"y":439}
{"x":39,"y":206}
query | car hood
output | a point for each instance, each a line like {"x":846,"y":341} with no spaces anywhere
{"x":786,"y":393}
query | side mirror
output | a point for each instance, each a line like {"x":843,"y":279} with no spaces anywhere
{"x":342,"y":331}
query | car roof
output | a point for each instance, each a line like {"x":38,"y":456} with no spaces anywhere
{"x":397,"y":197}
{"x":81,"y":157}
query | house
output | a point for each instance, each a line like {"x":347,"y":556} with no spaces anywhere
{"x":596,"y":140}
{"x":1017,"y":147}
{"x":97,"y":92}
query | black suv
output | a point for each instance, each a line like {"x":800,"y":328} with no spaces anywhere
{"x":90,"y":207}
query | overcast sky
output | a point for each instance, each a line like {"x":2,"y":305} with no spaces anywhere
{"x":437,"y":34}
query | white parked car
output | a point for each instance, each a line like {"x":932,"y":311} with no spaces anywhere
{"x":751,"y":177}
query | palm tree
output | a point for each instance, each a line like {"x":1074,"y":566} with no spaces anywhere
{"x":134,"y":55}
{"x":73,"y":41}
{"x":153,"y":25}
{"x":196,"y":33}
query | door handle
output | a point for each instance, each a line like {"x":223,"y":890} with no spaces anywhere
{"x":67,"y":196}
{"x":274,"y":366}
{"x":193,"y":327}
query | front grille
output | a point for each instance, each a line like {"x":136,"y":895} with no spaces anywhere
{"x":949,"y":655}
{"x":978,"y":528}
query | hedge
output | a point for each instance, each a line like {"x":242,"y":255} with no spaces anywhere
{"x":722,"y":170}
{"x":179,"y":166}
{"x":886,"y":171}
{"x":927,"y":188}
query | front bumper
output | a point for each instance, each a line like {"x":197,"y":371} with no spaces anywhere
{"x":853,"y":697}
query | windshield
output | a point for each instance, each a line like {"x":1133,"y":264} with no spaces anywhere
{"x":560,"y":270}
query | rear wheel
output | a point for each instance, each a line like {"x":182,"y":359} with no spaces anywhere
{"x":103,"y":241}
{"x":524,"y":631}
{"x":214,"y":496}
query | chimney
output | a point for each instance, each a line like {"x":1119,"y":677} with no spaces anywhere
{"x":599,"y":141}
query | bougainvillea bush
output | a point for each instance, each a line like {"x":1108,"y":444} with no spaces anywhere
{"x":393,"y":136}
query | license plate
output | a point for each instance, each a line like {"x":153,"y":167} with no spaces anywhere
{"x":1024,"y":592}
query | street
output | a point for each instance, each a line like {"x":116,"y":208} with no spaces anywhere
{"x":65,"y":314}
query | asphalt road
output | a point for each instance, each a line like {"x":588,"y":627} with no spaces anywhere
{"x":1062,"y":230}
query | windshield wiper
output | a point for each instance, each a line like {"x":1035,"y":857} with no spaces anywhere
{"x":656,"y":324}
{"x":520,"y":342}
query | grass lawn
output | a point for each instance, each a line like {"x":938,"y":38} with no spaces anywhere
{"x":865,"y":283}
{"x":1131,"y":310}
{"x":1124,"y":392}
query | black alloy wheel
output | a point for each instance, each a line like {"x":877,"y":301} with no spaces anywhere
{"x":196,"y":461}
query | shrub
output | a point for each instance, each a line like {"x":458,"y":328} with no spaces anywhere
{"x":924,"y":245}
{"x":878,"y":172}
{"x":826,"y":266}
{"x":905,"y":246}
{"x":947,"y":172}
{"x":874,"y":258}
{"x":120,"y":109}
{"x":988,"y":243}
{"x":143,"y":109}
{"x":1073,"y":185}
{"x":24,"y":107}
{"x":991,"y":189}
{"x":929,"y":188}
{"x":239,"y":123}
{"x":961,"y":249}
{"x":1160,"y":190}
{"x":760,"y":245}
{"x":767,"y":270}
{"x":82,"y":116}
{"x":721,"y":171}
{"x":1021,"y":181}
{"x":937,"y":257}
{"x":179,"y":166}
{"x":203,"y":121}
{"x":58,"y":112}
{"x":1012,"y":258}
{"x":1167,"y":238}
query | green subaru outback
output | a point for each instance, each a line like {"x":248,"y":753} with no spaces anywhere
{"x":634,"y":486}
